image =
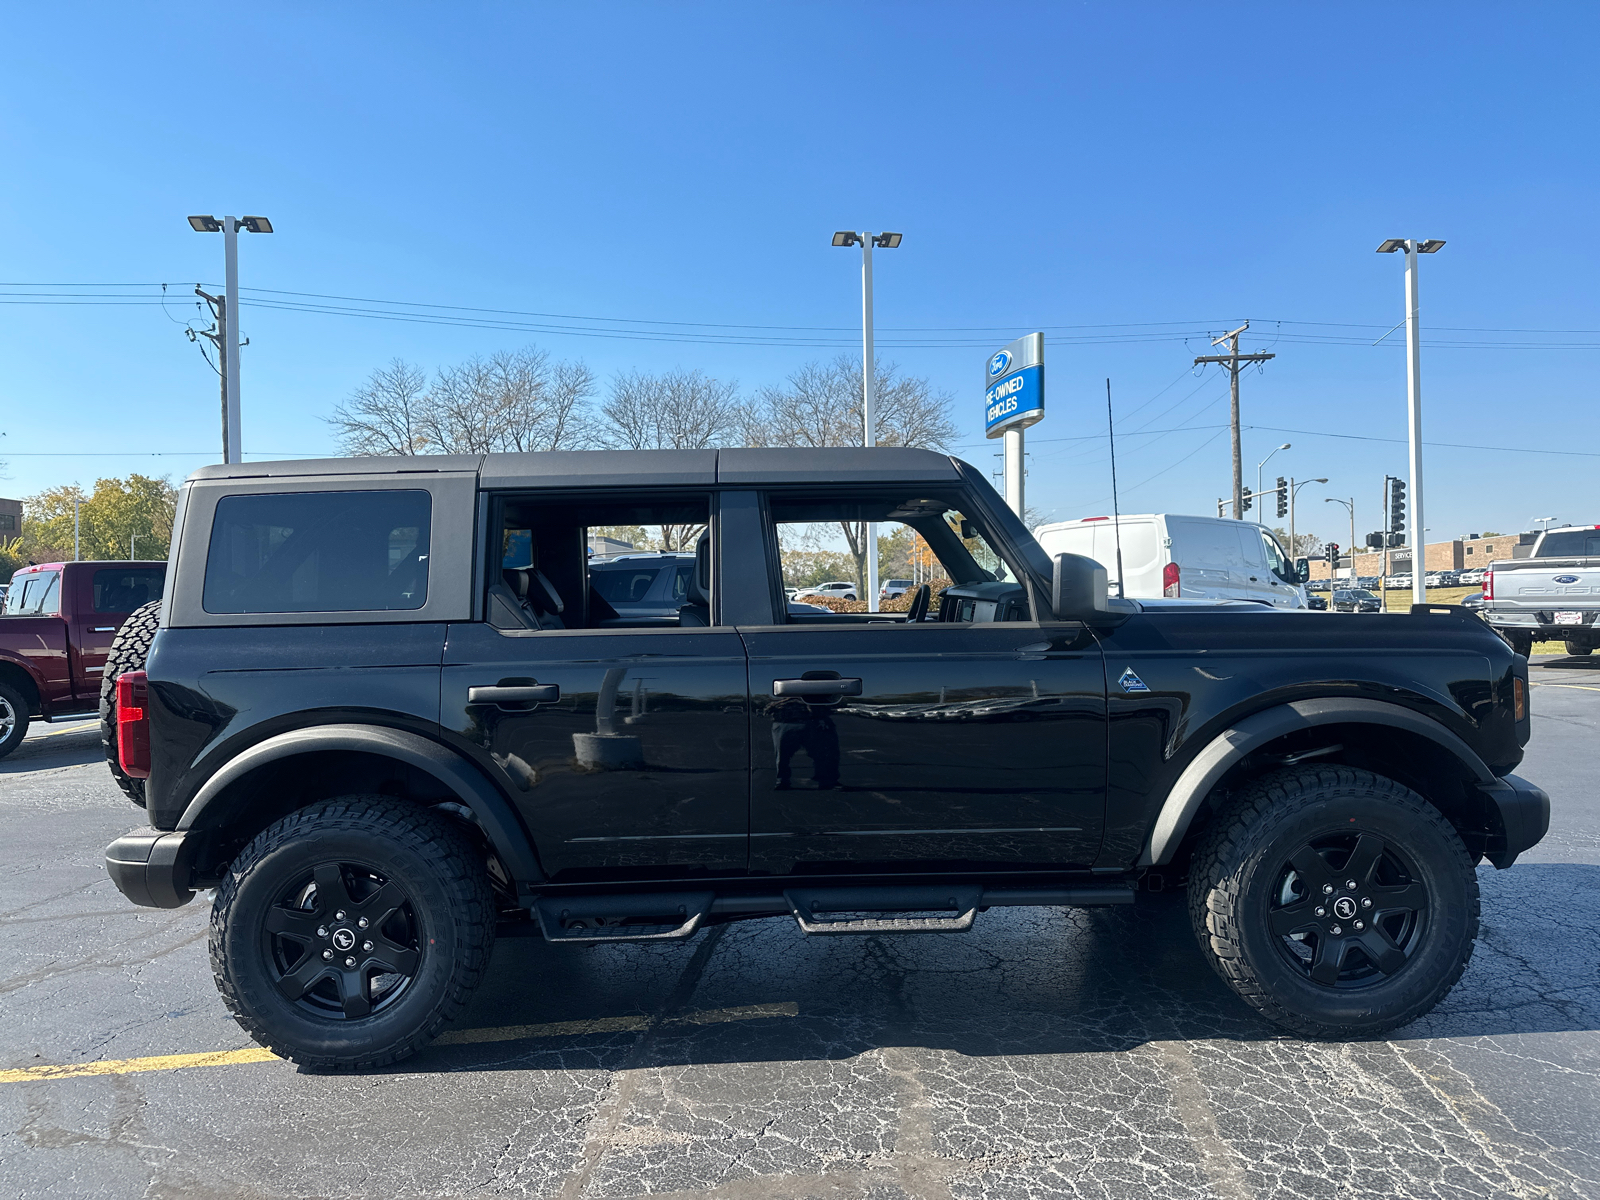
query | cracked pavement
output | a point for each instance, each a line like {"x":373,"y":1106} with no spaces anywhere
{"x":1048,"y":1052}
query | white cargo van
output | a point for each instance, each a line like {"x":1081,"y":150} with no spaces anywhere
{"x":1201,"y":558}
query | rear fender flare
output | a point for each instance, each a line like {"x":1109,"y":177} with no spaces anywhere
{"x":1234,"y":743}
{"x":493,"y":811}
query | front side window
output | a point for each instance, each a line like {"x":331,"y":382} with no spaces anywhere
{"x":121,"y":590}
{"x":319,"y":552}
{"x":1275,"y":559}
{"x":37,"y":595}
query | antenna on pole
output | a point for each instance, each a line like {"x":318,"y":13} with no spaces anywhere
{"x":1116,"y":512}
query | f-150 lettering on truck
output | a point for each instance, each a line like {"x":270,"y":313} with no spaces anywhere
{"x":1554,"y":593}
{"x":387,"y":714}
{"x":56,"y":629}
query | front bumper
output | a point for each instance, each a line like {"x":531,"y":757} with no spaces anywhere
{"x":152,"y":868}
{"x":1524,"y":812}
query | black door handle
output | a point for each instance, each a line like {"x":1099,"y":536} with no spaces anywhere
{"x":542,"y":693}
{"x":816,"y":687}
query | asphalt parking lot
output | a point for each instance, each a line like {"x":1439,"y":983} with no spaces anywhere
{"x":1049,"y":1053}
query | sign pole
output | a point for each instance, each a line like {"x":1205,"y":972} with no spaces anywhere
{"x":1013,"y":467}
{"x":1014,"y":399}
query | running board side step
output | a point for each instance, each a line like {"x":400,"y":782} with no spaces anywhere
{"x":819,"y":911}
{"x":647,"y":917}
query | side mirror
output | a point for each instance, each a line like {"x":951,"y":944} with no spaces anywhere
{"x":1302,"y":570}
{"x":1078,"y":588}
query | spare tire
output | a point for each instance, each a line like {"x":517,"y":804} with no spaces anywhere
{"x":129,"y":649}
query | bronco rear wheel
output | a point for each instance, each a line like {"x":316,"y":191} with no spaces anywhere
{"x":349,"y":933}
{"x":1335,"y":901}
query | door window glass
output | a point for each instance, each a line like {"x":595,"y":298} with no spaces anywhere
{"x":121,"y":590}
{"x":601,"y":563}
{"x":319,"y":552}
{"x":1275,"y":561}
{"x":37,"y":595}
{"x":822,"y":546}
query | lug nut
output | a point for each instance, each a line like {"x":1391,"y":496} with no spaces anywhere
{"x":339,"y":916}
{"x":1321,"y":912}
{"x":366,"y":945}
{"x":1335,"y":929}
{"x":1350,"y":884}
{"x":362,"y":923}
{"x":327,"y":954}
{"x":349,"y":962}
{"x":1366,"y":902}
{"x":1327,"y":889}
{"x":322,"y":931}
{"x":1360,"y":925}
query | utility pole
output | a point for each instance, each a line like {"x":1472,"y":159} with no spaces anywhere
{"x":1232,"y":360}
{"x":75,"y":555}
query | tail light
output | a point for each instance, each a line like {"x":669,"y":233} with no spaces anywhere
{"x":133,"y":724}
{"x":1488,"y":585}
{"x":1169,"y":581}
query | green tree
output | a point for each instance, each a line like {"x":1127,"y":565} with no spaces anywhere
{"x":10,"y":557}
{"x":119,"y":514}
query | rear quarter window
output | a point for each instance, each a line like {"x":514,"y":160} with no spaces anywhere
{"x":319,"y":552}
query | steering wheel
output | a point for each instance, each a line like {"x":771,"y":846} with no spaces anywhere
{"x":919,"y":603}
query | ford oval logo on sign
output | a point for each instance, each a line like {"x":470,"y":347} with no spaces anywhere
{"x":999,"y":363}
{"x":1566,"y":579}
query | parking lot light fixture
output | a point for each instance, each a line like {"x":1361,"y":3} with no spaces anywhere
{"x":229,"y":227}
{"x":845,"y":238}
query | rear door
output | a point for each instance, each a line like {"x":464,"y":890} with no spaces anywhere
{"x":975,"y":740}
{"x":104,"y":597}
{"x":624,"y":740}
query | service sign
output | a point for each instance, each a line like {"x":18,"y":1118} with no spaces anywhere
{"x":1014,"y":386}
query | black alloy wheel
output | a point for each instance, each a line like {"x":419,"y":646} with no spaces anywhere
{"x":1335,"y":901}
{"x":350,"y":932}
{"x":1347,"y":910}
{"x":343,"y":941}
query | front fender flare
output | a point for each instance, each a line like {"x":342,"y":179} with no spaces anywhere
{"x":1232,"y":744}
{"x":495,"y":815}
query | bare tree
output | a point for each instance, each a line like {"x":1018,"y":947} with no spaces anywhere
{"x":822,"y":406}
{"x":385,"y":414}
{"x":511,"y":401}
{"x":676,"y":410}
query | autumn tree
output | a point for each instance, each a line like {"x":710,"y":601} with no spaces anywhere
{"x":119,"y":513}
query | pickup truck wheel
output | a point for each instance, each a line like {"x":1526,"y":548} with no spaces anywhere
{"x":1336,"y":902}
{"x":13,"y":719}
{"x":1579,"y":647}
{"x":129,"y":650}
{"x":1522,"y":643}
{"x":349,"y":933}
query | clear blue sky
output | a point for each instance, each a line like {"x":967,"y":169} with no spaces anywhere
{"x":1051,"y":166}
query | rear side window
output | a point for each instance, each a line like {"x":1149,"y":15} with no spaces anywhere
{"x":319,"y":552}
{"x":122,"y":591}
{"x":36,"y":595}
{"x":624,"y":585}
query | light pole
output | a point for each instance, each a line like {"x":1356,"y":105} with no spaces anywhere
{"x":1548,"y":521}
{"x":1413,"y":247}
{"x":869,"y":383}
{"x":1351,"y":505}
{"x":1294,"y":490}
{"x":229,"y":228}
{"x":1263,"y":463}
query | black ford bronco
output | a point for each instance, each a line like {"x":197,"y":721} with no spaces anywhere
{"x":388,"y":713}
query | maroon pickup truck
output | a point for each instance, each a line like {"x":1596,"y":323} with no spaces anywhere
{"x":56,"y":627}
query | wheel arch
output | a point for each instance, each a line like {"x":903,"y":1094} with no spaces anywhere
{"x":249,"y":792}
{"x":1395,"y":741}
{"x":21,"y":678}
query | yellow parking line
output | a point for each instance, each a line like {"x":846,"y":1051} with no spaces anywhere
{"x":453,"y":1037}
{"x":1582,"y":687}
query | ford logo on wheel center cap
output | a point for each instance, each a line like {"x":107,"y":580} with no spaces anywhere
{"x":999,"y":363}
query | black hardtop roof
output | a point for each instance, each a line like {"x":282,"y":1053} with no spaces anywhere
{"x":630,"y":468}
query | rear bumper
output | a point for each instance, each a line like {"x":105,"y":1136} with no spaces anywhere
{"x":151,"y":868}
{"x":1524,"y":818}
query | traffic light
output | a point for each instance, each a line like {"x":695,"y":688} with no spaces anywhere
{"x":1374,"y":541}
{"x":1283,"y":497}
{"x":1249,"y":496}
{"x":1396,"y":539}
{"x":1397,"y":505}
{"x":1333,"y":553}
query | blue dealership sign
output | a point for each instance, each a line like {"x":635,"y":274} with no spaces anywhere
{"x":1014,"y":397}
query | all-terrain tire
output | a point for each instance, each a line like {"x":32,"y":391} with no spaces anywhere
{"x":129,"y":650}
{"x":447,"y":922}
{"x":1575,"y":647}
{"x":13,"y":719}
{"x":1242,"y":884}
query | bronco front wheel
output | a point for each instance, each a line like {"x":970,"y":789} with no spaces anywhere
{"x":1335,"y":901}
{"x":349,"y":933}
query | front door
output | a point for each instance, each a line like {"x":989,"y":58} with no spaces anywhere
{"x":972,"y":740}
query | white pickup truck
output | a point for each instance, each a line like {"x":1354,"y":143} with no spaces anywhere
{"x":1553,"y":594}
